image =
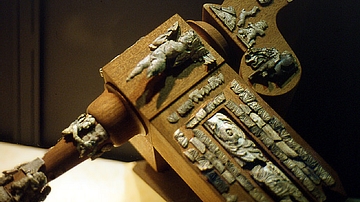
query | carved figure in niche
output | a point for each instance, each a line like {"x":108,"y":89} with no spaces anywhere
{"x":244,"y":14}
{"x":171,"y":50}
{"x":270,"y":65}
{"x":247,"y":35}
{"x":233,"y":139}
{"x":227,"y":15}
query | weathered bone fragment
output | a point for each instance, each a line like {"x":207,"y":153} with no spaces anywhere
{"x":244,"y":14}
{"x":198,"y":144}
{"x":181,"y":139}
{"x":271,"y":132}
{"x":192,"y":154}
{"x":228,"y":177}
{"x":185,"y":108}
{"x":248,"y":35}
{"x":286,"y":149}
{"x":173,"y":117}
{"x":227,"y":15}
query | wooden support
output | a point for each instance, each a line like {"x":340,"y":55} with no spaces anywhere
{"x":278,"y":97}
{"x":211,"y":125}
{"x":157,"y":99}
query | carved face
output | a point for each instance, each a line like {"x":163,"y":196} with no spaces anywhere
{"x":188,"y":37}
{"x":225,"y":129}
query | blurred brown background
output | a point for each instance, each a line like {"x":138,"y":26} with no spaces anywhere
{"x":51,"y":52}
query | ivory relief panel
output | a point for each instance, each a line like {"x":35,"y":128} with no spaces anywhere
{"x":222,"y":140}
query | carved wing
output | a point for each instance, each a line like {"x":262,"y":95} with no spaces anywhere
{"x":172,"y":33}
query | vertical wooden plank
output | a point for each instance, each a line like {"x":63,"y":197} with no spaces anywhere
{"x":27,"y":74}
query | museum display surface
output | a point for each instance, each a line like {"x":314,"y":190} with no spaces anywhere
{"x":204,"y":99}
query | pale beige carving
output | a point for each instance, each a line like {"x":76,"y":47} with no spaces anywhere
{"x":233,"y":139}
{"x":171,"y":46}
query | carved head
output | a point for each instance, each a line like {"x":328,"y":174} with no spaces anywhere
{"x":261,"y":24}
{"x":190,"y":38}
{"x":225,"y":129}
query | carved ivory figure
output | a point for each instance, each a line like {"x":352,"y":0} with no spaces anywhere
{"x":233,"y":139}
{"x":270,"y":65}
{"x":244,"y":14}
{"x":227,"y":15}
{"x":171,"y":46}
{"x":249,"y":33}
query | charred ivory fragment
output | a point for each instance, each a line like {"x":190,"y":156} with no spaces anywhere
{"x":88,"y":135}
{"x":172,"y":49}
{"x":32,"y":187}
{"x":217,"y":181}
{"x":270,"y":65}
{"x":227,"y":15}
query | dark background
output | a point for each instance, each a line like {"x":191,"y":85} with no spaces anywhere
{"x":326,"y":108}
{"x":79,"y":37}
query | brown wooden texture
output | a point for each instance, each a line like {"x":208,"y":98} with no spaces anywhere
{"x":112,"y":111}
{"x":168,"y":184}
{"x":150,"y":96}
{"x":278,"y":97}
{"x":157,"y":98}
{"x":114,"y":114}
{"x":61,"y":158}
{"x":141,"y":108}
